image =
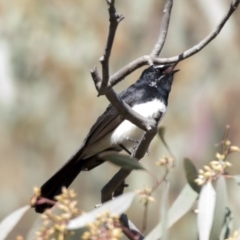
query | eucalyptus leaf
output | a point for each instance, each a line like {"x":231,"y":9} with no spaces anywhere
{"x":220,"y":208}
{"x":206,"y":205}
{"x":9,"y":222}
{"x":179,"y":208}
{"x":115,"y":206}
{"x":182,"y":204}
{"x":191,"y":174}
{"x":36,"y":225}
{"x":123,"y":161}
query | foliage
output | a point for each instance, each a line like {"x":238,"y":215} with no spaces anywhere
{"x":213,"y":215}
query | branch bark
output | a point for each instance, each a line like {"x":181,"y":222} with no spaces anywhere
{"x":163,"y":29}
{"x":114,"y":19}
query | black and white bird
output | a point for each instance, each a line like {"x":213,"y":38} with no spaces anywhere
{"x":148,"y":96}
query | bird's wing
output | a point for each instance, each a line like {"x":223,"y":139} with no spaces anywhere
{"x":104,"y":125}
{"x":110,"y":119}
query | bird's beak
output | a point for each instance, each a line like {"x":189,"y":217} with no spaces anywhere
{"x":170,"y":69}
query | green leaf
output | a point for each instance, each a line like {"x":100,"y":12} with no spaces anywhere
{"x":115,"y":206}
{"x":179,"y":208}
{"x":164,"y":212}
{"x":206,"y":205}
{"x":182,"y":204}
{"x":220,"y":208}
{"x":191,"y":174}
{"x":9,"y":222}
{"x":161,"y":133}
{"x":123,"y":161}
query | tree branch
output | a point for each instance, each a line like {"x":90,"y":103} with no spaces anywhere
{"x":163,"y":29}
{"x":195,"y":49}
{"x":114,"y":19}
{"x":144,"y":60}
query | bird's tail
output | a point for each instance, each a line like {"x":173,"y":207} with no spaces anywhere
{"x":62,"y":178}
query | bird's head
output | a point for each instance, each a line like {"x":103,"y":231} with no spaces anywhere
{"x":160,"y":76}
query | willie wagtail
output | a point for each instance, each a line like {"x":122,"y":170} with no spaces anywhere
{"x":111,"y":132}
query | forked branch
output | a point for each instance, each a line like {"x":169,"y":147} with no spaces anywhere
{"x":144,"y":60}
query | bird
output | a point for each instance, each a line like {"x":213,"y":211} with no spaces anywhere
{"x":148,"y":96}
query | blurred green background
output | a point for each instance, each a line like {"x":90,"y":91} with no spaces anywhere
{"x":48,"y":101}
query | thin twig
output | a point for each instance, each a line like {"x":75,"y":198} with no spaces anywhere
{"x":158,"y":183}
{"x":155,"y":186}
{"x":114,"y":19}
{"x":96,"y":78}
{"x":163,"y":29}
{"x":168,"y":149}
{"x":43,"y":200}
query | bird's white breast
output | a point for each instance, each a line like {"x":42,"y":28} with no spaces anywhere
{"x":128,"y":130}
